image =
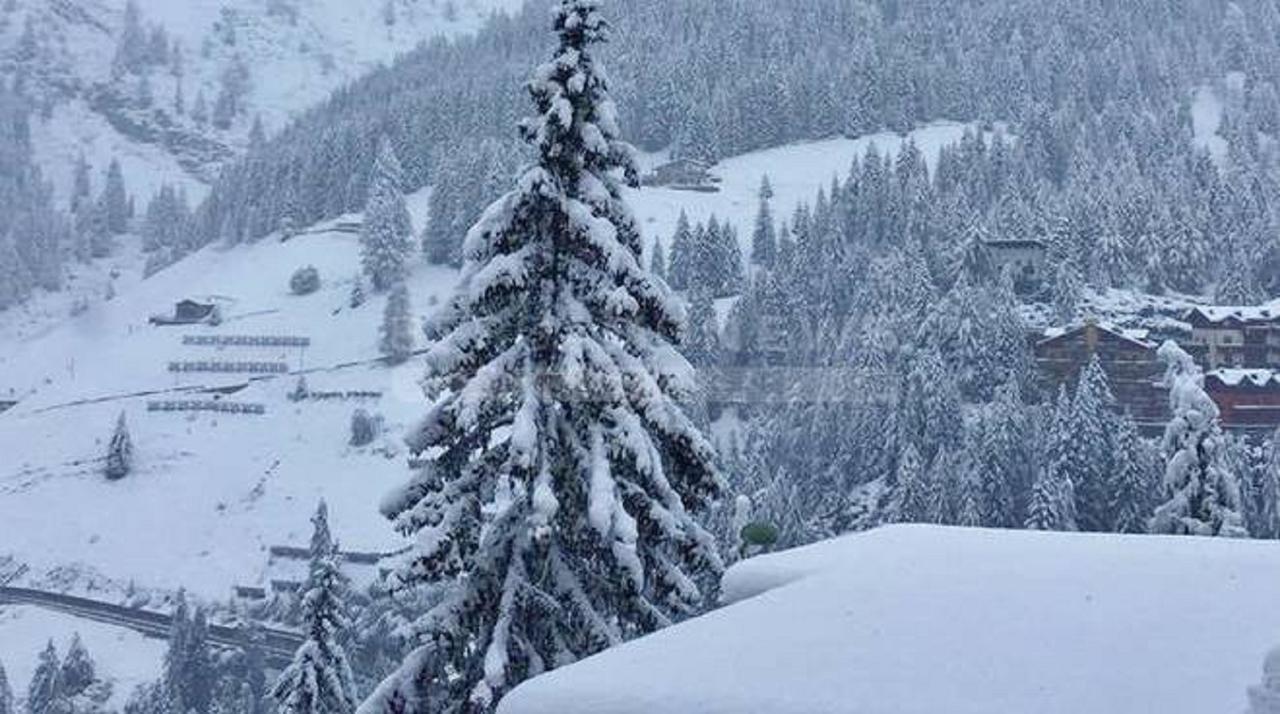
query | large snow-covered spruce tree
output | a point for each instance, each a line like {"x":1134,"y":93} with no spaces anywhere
{"x":386,"y":237}
{"x":1202,"y":493}
{"x":558,"y":501}
{"x":319,"y":680}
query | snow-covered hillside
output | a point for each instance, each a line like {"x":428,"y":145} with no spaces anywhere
{"x":913,"y":619}
{"x":224,"y":488}
{"x":296,"y":53}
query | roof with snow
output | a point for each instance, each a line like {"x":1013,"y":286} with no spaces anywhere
{"x":1261,"y":378}
{"x":912,"y":619}
{"x":1223,"y":314}
{"x":1137,"y":336}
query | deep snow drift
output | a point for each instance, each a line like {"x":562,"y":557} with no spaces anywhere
{"x":915,"y":619}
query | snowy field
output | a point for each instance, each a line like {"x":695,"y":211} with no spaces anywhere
{"x":123,"y":657}
{"x":923,"y":619}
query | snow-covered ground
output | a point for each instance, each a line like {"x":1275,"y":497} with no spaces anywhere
{"x":123,"y":657}
{"x":222,"y":489}
{"x":916,"y":619}
{"x":795,"y":171}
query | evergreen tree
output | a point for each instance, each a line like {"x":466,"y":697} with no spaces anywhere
{"x":119,"y":451}
{"x":912,"y":492}
{"x":557,"y":513}
{"x":114,"y":201}
{"x":78,"y":670}
{"x":764,"y":239}
{"x":1202,"y":495}
{"x":1093,"y":449}
{"x":397,"y":326}
{"x":701,"y":343}
{"x":7,"y":705}
{"x":385,"y":239}
{"x":658,"y":261}
{"x":680,"y":268}
{"x":1067,"y":286}
{"x":46,"y":684}
{"x":1052,"y":505}
{"x":319,"y":679}
{"x":1132,"y":489}
{"x":1264,"y":698}
{"x":187,"y":682}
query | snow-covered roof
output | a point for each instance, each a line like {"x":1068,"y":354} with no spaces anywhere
{"x":1137,"y":336}
{"x":1226,"y":313}
{"x":962,"y":621}
{"x":1246,"y":377}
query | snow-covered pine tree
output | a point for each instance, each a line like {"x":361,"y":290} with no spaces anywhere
{"x":397,"y":326}
{"x":701,"y":342}
{"x":1264,"y":698}
{"x":1052,"y":505}
{"x":114,"y":201}
{"x":764,"y":238}
{"x":119,"y":451}
{"x":357,"y":296}
{"x":46,"y":683}
{"x":680,"y":265}
{"x":386,"y":236}
{"x":558,"y":502}
{"x":658,"y":260}
{"x":319,"y":679}
{"x":7,"y":705}
{"x":1067,"y":286}
{"x":1093,"y":449}
{"x":1202,"y":494}
{"x":78,"y":670}
{"x":1267,"y":491}
{"x":912,"y":491}
{"x":1132,"y":487}
{"x":187,"y":681}
{"x":727,"y":261}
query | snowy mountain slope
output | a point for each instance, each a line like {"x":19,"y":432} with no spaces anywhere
{"x":913,"y":619}
{"x":296,"y":53}
{"x":224,"y":488}
{"x":796,"y":172}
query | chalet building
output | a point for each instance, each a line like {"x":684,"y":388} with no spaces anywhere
{"x":1249,"y":399}
{"x":287,"y":569}
{"x":1128,"y":358}
{"x":1026,"y":261}
{"x":683,"y":174}
{"x":1235,"y":337}
{"x":189,"y":312}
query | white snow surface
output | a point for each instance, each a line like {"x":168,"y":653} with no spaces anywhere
{"x":916,"y":619}
{"x":122,"y":656}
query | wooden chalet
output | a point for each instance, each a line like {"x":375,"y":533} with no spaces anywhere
{"x":1235,"y":337}
{"x":1128,"y":358}
{"x":1249,"y":399}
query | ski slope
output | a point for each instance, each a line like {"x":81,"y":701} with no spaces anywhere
{"x":212,"y":492}
{"x":916,"y":619}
